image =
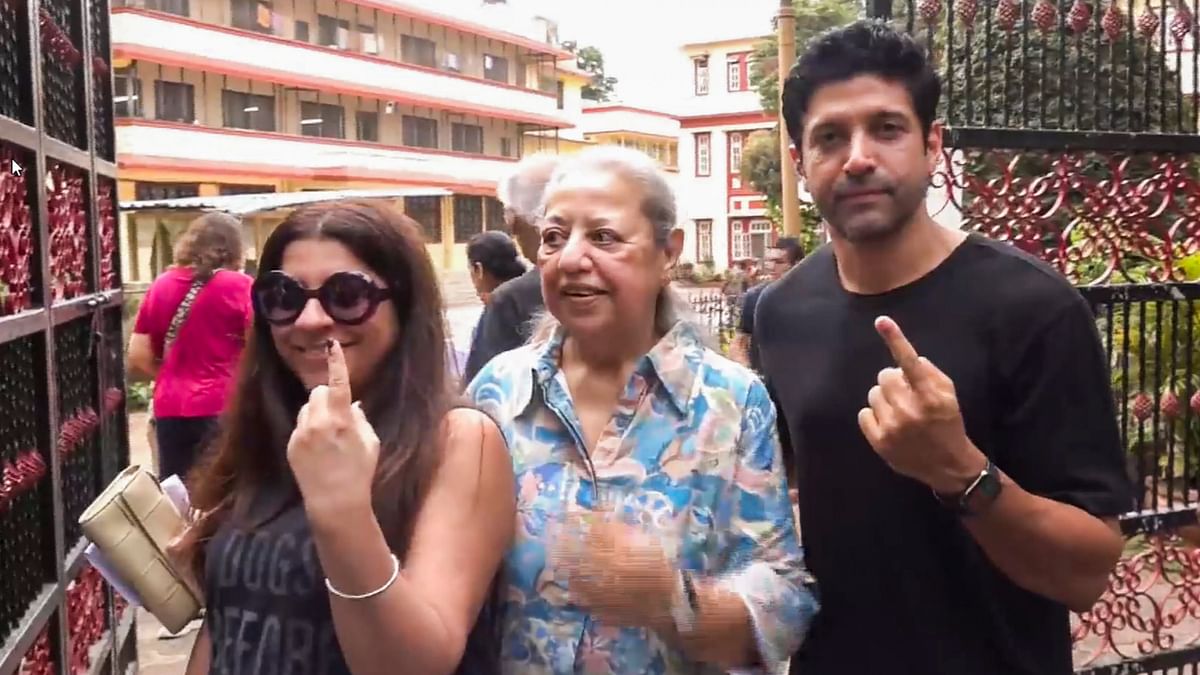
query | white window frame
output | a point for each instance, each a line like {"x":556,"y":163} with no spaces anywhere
{"x":704,"y":154}
{"x":704,"y":239}
{"x":701,"y":78}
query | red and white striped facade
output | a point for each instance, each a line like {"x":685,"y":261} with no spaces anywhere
{"x":724,"y":219}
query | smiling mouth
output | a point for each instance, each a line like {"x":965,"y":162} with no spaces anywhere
{"x":581,"y":292}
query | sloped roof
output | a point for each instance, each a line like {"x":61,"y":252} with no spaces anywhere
{"x":241,"y":205}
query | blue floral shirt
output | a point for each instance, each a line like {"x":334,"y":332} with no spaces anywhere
{"x":693,"y":440}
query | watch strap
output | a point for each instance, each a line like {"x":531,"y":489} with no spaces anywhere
{"x":986,"y":485}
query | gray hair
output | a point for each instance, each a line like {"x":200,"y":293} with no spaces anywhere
{"x":522,"y":189}
{"x":658,"y":205}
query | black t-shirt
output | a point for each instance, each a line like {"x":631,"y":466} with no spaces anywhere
{"x":506,"y":322}
{"x":268,"y":610}
{"x":904,"y":587}
{"x":746,"y":321}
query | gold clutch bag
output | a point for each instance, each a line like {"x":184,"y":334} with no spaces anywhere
{"x":131,"y":523}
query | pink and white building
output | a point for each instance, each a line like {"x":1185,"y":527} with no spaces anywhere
{"x":723,"y":217}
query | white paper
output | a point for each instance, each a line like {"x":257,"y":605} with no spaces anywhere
{"x":98,"y":560}
{"x":178,"y":495}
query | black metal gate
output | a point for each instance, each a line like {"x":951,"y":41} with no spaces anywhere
{"x":1072,"y":134}
{"x":62,"y":414}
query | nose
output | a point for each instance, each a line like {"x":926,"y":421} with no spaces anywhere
{"x":575,"y":254}
{"x":861,"y":160}
{"x":313,"y":317}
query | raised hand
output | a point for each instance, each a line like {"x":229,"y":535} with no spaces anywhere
{"x":615,"y":570}
{"x":913,"y":420}
{"x":334,"y":450}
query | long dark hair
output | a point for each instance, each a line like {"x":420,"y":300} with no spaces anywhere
{"x":406,"y":401}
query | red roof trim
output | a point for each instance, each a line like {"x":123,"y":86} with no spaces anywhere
{"x":399,"y":7}
{"x":723,"y":119}
{"x":174,"y":18}
{"x":216,"y":168}
{"x":629,"y":108}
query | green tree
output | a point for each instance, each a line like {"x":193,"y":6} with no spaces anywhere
{"x":591,"y":60}
{"x":813,"y":17}
{"x":761,"y":168}
{"x":760,"y":158}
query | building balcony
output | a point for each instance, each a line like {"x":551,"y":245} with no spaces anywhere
{"x":243,"y":155}
{"x":172,"y":40}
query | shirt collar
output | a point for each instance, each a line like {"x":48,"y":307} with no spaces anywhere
{"x":674,"y":360}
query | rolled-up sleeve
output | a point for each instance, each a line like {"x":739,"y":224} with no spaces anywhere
{"x":764,"y":563}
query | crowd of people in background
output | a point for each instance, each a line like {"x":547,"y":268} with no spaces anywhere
{"x":602,"y":490}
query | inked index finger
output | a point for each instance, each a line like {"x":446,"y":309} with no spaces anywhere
{"x":340,"y":397}
{"x":902,"y":350}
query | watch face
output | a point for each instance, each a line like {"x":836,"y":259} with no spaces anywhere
{"x":990,"y":485}
{"x":985,"y":492}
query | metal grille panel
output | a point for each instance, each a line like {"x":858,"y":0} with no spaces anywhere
{"x":26,"y":506}
{"x":19,"y":289}
{"x":78,"y":444}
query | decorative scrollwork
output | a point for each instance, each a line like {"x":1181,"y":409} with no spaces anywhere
{"x":1152,"y":605}
{"x":16,"y":239}
{"x":68,"y":232}
{"x":106,"y":219}
{"x":1096,"y":217}
{"x":39,"y":660}
{"x":86,"y":616}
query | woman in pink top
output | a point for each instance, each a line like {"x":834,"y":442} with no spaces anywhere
{"x":193,"y":374}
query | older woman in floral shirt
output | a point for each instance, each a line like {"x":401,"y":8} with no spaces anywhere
{"x":655,"y":534}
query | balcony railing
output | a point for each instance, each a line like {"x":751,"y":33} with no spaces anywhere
{"x":365,"y":39}
{"x":177,"y":146}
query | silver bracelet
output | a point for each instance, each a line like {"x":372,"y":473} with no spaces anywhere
{"x":364,"y":596}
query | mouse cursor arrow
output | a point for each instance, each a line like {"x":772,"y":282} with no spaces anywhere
{"x":16,"y":169}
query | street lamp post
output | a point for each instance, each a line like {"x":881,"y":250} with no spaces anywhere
{"x":785,"y":23}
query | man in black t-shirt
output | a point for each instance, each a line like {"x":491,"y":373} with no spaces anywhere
{"x":781,"y":257}
{"x":946,"y":396}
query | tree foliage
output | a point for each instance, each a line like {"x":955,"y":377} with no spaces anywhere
{"x":762,"y":169}
{"x":761,"y":157}
{"x":813,"y":17}
{"x":591,"y":60}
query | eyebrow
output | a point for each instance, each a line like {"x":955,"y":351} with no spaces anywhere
{"x":588,"y":223}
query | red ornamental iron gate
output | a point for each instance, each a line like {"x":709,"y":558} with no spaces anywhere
{"x":62,"y":414}
{"x":1072,"y":133}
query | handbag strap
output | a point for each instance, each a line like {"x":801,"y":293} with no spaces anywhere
{"x":182,"y":312}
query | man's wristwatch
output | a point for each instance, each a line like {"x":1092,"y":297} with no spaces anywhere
{"x":978,"y":496}
{"x":685,"y":605}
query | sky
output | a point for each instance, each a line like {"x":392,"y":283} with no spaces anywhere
{"x":641,"y":39}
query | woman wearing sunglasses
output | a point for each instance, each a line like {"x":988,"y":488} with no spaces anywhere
{"x":353,"y":518}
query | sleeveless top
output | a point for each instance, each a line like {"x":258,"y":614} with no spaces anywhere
{"x":268,"y":611}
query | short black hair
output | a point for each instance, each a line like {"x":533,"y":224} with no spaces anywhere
{"x":791,"y":246}
{"x":497,"y":253}
{"x":865,"y":47}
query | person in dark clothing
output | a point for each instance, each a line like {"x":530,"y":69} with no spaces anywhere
{"x":781,"y":257}
{"x":946,"y":397}
{"x":508,"y":317}
{"x":494,"y":260}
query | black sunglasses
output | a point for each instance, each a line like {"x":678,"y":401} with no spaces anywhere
{"x":349,"y":298}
